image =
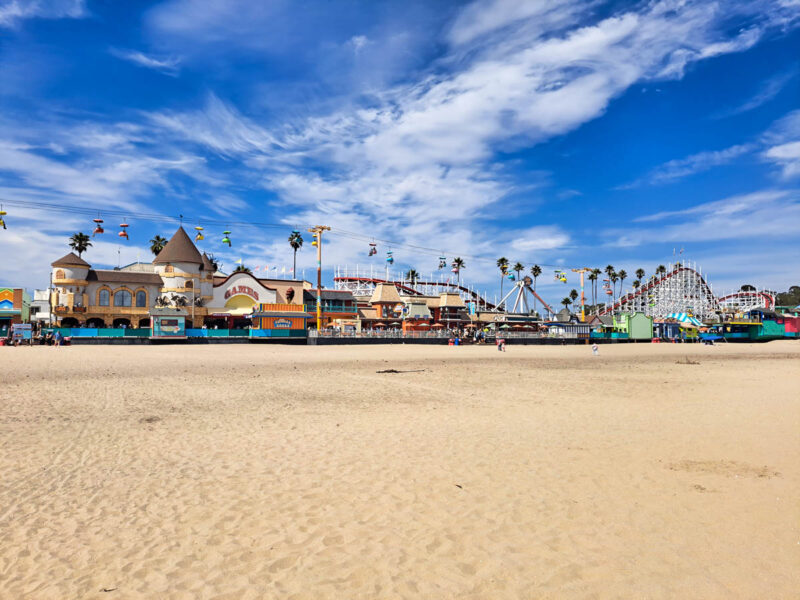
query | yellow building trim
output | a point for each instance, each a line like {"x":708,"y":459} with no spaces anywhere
{"x":70,"y":282}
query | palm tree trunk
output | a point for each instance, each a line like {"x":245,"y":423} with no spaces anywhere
{"x":294,"y":264}
{"x":501,"y":285}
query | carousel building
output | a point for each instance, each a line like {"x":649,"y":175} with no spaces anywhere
{"x":179,"y":277}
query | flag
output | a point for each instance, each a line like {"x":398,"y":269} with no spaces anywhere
{"x":238,"y":262}
{"x":256,"y":268}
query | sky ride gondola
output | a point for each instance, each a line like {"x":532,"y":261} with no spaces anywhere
{"x":373,"y":249}
{"x":226,"y":238}
{"x":98,"y":226}
{"x":198,"y":237}
{"x":559,"y":275}
{"x":442,"y":262}
{"x":2,"y":218}
{"x":123,"y":231}
{"x":389,"y":257}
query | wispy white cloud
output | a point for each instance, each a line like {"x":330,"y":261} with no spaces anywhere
{"x":782,"y":145}
{"x":676,"y":169}
{"x":769,"y":90}
{"x":417,"y":163}
{"x":14,"y":11}
{"x":759,"y":215}
{"x":166,"y":65}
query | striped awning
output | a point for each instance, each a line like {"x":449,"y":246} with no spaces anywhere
{"x":685,"y":318}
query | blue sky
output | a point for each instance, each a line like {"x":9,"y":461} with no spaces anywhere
{"x":568,"y":133}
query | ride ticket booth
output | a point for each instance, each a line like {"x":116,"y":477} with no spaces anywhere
{"x":167,"y":324}
{"x":279,"y":321}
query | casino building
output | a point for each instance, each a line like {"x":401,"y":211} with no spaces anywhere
{"x":179,"y":277}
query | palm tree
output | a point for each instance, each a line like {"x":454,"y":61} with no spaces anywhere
{"x":458,"y":264}
{"x":573,"y":294}
{"x":242,"y":269}
{"x":214,"y":262}
{"x":614,"y":278}
{"x":502,"y":264}
{"x":566,"y":302}
{"x":157,"y":244}
{"x":412,"y":276}
{"x":79,"y":242}
{"x":636,"y":283}
{"x":536,"y":270}
{"x":661,"y":269}
{"x":296,"y":242}
{"x":518,"y":268}
{"x":640,"y":274}
{"x":592,"y":277}
{"x":622,"y":275}
{"x":596,"y":273}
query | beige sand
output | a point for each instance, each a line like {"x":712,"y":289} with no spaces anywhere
{"x":299,"y":472}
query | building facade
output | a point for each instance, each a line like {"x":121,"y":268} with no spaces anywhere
{"x":179,"y":277}
{"x":14,"y":307}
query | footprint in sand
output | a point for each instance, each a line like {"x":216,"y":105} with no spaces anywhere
{"x":333,"y":540}
{"x":282,"y":563}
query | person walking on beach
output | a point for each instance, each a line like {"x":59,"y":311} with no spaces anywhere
{"x":594,"y":349}
{"x":57,"y":339}
{"x":501,"y":344}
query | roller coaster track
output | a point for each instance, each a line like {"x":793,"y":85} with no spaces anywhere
{"x":408,"y":289}
{"x":683,"y":289}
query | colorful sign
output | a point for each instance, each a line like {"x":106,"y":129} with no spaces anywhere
{"x":21,"y":331}
{"x":168,"y":326}
{"x":6,"y":299}
{"x":282,"y":323}
{"x":241,"y":289}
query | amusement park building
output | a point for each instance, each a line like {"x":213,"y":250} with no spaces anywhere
{"x":180,"y":276}
{"x":14,"y":306}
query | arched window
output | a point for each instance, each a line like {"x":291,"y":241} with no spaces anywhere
{"x":103,"y":297}
{"x":141,"y":299}
{"x":188,"y":285}
{"x":122,"y":298}
{"x":59,"y":274}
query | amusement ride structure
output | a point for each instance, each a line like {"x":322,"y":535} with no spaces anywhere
{"x":683,"y":289}
{"x":678,"y":288}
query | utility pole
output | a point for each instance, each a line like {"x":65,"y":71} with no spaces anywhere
{"x":317,"y":231}
{"x":583,"y":298}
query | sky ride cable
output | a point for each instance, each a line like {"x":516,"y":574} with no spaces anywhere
{"x":158,"y":218}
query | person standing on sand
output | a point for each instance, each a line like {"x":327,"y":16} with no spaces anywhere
{"x":501,"y":344}
{"x":594,"y":349}
{"x":57,"y":339}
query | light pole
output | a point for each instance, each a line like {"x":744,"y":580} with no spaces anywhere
{"x":317,"y":231}
{"x":583,"y":298}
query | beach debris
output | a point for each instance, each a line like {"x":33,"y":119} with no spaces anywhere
{"x":396,"y":371}
{"x":151,"y":419}
{"x":687,"y":361}
{"x":461,"y":487}
{"x":108,"y":589}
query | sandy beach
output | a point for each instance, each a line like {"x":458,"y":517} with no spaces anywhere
{"x":301,"y":472}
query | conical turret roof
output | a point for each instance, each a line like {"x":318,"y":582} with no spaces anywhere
{"x":70,"y":260}
{"x":180,"y":248}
